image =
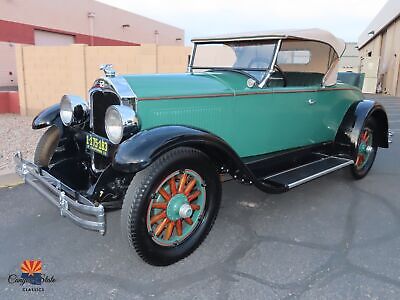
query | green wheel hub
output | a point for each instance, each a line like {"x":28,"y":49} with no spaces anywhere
{"x":365,"y":148}
{"x":176,"y":207}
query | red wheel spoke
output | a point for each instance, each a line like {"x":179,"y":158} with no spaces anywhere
{"x":170,"y":229}
{"x":172,"y":186}
{"x":182,"y":183}
{"x":360,"y":159}
{"x":365,"y":136}
{"x":164,"y":194}
{"x":195,"y":206}
{"x":189,"y":221}
{"x":179,"y":227}
{"x":190,"y":187}
{"x":159,"y":205}
{"x":156,"y":218}
{"x":161,"y":227}
{"x":194,"y":196}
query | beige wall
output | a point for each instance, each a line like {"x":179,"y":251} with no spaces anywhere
{"x":380,"y":60}
{"x":72,"y":16}
{"x":45,"y":74}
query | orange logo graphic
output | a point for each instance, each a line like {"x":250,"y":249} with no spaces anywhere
{"x":31,"y":266}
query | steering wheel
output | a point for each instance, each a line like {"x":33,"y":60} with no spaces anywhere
{"x":282,"y":74}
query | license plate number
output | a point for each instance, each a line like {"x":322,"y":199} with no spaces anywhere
{"x":97,"y":144}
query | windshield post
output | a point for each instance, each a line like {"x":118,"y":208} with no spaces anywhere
{"x":270,"y":70}
{"x":190,"y":65}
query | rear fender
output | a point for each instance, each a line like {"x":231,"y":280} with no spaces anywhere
{"x":347,"y":137}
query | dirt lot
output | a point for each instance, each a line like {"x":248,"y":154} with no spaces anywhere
{"x":16,"y":134}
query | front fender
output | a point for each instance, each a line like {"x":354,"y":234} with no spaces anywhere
{"x":139,"y":151}
{"x":353,"y":122}
{"x":47,"y":117}
{"x":143,"y":148}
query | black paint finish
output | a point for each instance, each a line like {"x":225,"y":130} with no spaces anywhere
{"x":49,"y":116}
{"x":346,"y":140}
{"x":142,"y":149}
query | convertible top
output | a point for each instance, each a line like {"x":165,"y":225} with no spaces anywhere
{"x":313,"y":34}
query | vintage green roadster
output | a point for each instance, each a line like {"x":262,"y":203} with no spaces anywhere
{"x":264,"y":108}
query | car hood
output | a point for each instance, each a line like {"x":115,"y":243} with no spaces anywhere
{"x":154,"y":86}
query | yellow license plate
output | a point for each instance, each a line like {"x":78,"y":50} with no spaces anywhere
{"x":97,"y":144}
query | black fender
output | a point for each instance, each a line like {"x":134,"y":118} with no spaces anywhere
{"x":47,"y":117}
{"x":140,"y":150}
{"x":359,"y":112}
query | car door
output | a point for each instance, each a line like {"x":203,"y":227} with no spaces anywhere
{"x":300,"y":112}
{"x":274,"y":119}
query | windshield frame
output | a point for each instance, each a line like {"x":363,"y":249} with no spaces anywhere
{"x":267,"y":71}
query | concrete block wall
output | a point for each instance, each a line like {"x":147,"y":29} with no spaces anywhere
{"x":45,"y":74}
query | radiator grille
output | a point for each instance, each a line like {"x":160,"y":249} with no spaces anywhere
{"x":100,"y":101}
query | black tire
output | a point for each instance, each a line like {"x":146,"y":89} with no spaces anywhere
{"x":47,"y":146}
{"x":359,"y":173}
{"x":138,"y":196}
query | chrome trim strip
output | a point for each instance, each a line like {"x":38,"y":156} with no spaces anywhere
{"x":244,"y":94}
{"x":322,"y":173}
{"x":295,"y":168}
{"x":121,"y":87}
{"x":271,"y":68}
{"x":187,"y":97}
{"x":56,"y":192}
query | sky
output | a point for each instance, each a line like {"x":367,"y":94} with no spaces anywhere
{"x":346,"y":19}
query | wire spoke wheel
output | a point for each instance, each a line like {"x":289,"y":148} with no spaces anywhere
{"x":176,"y":208}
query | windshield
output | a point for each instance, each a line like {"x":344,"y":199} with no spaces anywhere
{"x":253,"y":58}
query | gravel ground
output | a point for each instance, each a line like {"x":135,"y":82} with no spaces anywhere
{"x":16,"y":134}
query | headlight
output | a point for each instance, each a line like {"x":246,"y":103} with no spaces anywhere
{"x":120,"y":121}
{"x":73,"y":110}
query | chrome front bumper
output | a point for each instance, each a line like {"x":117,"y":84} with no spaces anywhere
{"x":70,"y":203}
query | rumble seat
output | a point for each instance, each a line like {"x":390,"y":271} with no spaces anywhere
{"x":298,"y":79}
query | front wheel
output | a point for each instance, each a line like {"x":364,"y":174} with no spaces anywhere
{"x":46,"y":146}
{"x":366,"y":150}
{"x":170,"y":207}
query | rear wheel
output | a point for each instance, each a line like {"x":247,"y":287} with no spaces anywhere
{"x":366,"y":150}
{"x":170,"y":207}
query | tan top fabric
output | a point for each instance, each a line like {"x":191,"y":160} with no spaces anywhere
{"x":313,"y":34}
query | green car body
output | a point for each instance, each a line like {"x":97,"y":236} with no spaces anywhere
{"x":253,"y":121}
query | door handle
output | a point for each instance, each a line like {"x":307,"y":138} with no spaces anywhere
{"x":311,"y":101}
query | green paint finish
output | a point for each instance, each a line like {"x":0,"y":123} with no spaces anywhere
{"x":169,"y":85}
{"x":253,"y":121}
{"x":174,"y":205}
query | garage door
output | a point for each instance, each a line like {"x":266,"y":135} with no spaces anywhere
{"x":46,"y":38}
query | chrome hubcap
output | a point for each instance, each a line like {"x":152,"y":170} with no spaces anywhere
{"x":185,"y":211}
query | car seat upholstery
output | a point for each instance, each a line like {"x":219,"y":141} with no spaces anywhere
{"x":298,"y":79}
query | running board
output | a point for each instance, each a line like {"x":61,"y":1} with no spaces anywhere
{"x":307,"y":172}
